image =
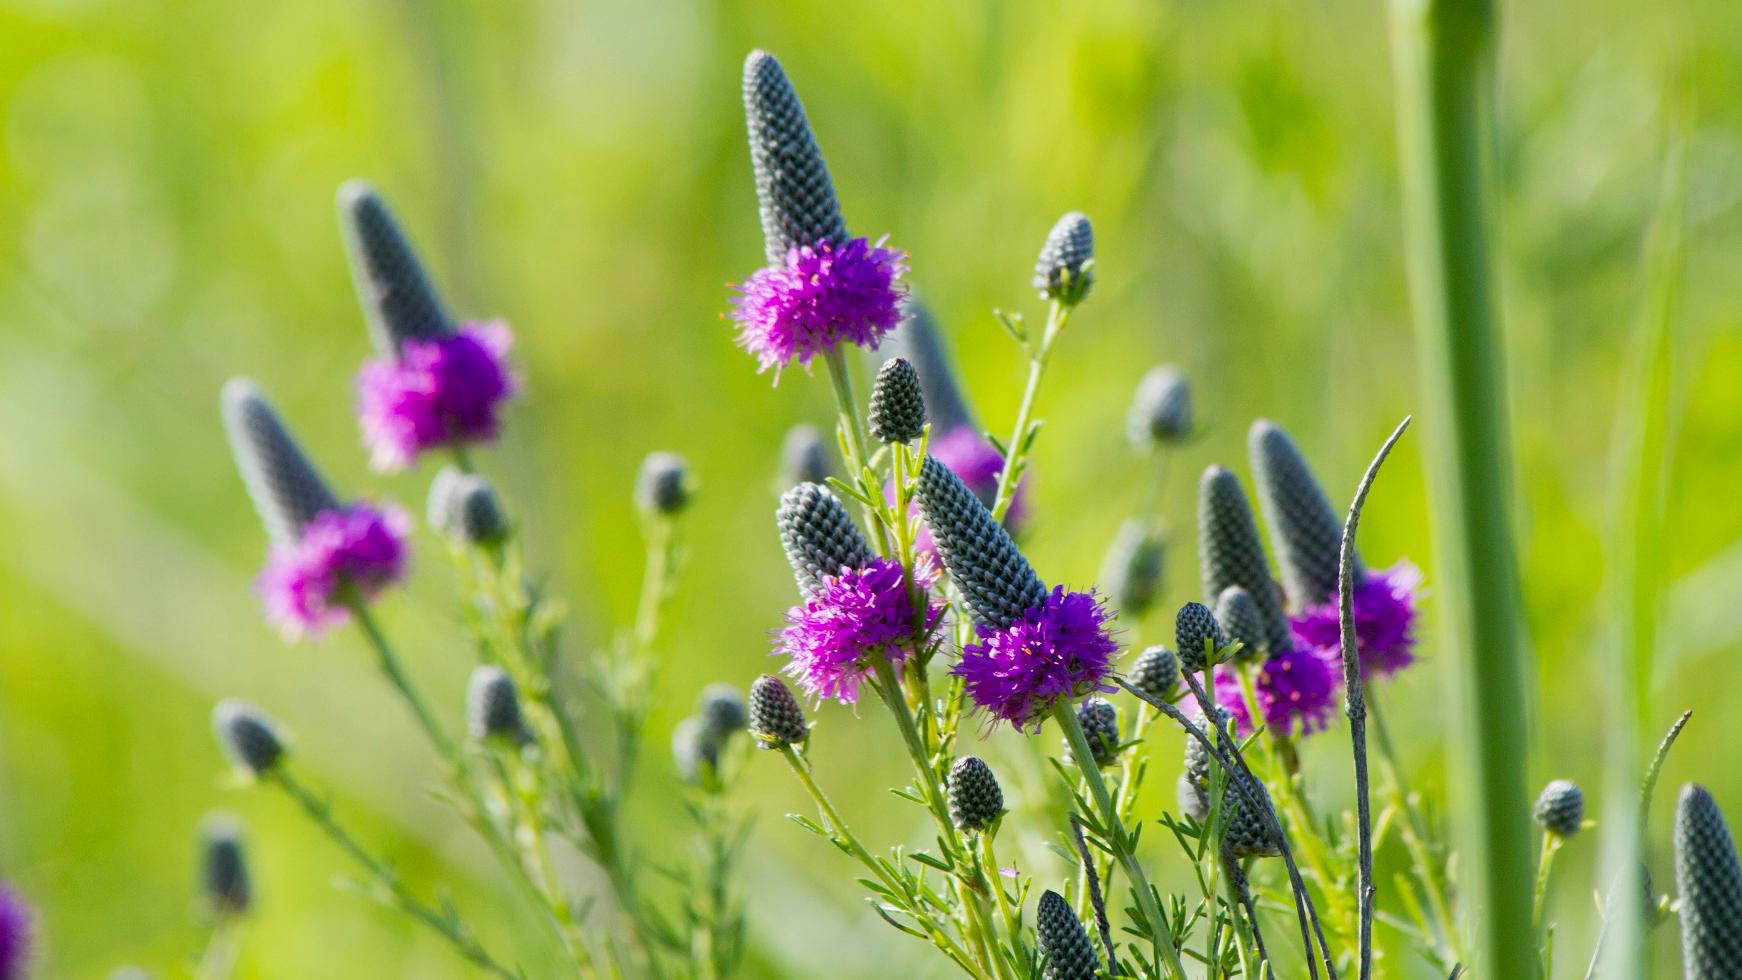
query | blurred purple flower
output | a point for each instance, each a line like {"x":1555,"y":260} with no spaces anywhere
{"x":1384,"y":622}
{"x":860,"y":613}
{"x":15,"y":928}
{"x":439,"y":391}
{"x":360,"y":547}
{"x":1059,"y":650}
{"x":823,"y":295}
{"x":1296,"y":692}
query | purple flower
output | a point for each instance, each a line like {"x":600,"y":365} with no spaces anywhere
{"x":972,"y":458}
{"x":15,"y":920}
{"x":439,"y":391}
{"x":1060,"y":649}
{"x":1296,"y":692}
{"x":1384,"y":621}
{"x":824,"y":294}
{"x":860,"y":613}
{"x":358,"y":547}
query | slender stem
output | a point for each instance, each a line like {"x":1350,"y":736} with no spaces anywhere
{"x":1011,"y":915}
{"x":1415,"y":836}
{"x":397,"y":894}
{"x":655,"y":582}
{"x":1057,"y":315}
{"x":218,"y":961}
{"x":1161,"y":931}
{"x":853,"y":435}
{"x":1544,"y":865}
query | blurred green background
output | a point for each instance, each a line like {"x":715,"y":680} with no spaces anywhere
{"x":166,"y":182}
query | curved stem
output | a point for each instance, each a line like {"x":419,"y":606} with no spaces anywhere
{"x":1016,"y":450}
{"x":853,"y":436}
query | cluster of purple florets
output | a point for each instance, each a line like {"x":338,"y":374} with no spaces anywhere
{"x":15,"y":924}
{"x":438,"y":391}
{"x":859,"y":614}
{"x":361,"y":548}
{"x":1384,"y":622}
{"x":1059,"y":650}
{"x":823,"y":295}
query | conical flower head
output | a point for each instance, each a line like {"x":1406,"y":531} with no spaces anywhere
{"x":793,"y":189}
{"x":978,"y":553}
{"x":1161,"y":410}
{"x":1191,"y":801}
{"x":1197,"y":635}
{"x":1066,"y":951}
{"x":1197,"y":758}
{"x":1238,"y":613}
{"x":1156,"y":673}
{"x":465,"y":507}
{"x":695,"y":751}
{"x":1132,"y":570}
{"x":663,"y":485}
{"x":398,"y":300}
{"x":1231,"y":553}
{"x":249,"y":739}
{"x":803,"y":457}
{"x":974,"y":797}
{"x":1100,"y":723}
{"x":493,"y":707}
{"x":776,"y":719}
{"x":919,"y":341}
{"x":1062,"y":271}
{"x":819,"y":536}
{"x":1560,"y":809}
{"x":287,"y":490}
{"x":1303,"y":524}
{"x":721,"y":710}
{"x":1710,"y":882}
{"x":224,"y":866}
{"x":897,"y":410}
{"x":1246,"y":832}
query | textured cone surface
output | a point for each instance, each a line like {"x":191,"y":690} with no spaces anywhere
{"x":1238,"y":613}
{"x":1161,"y":410}
{"x":1710,"y":882}
{"x":465,"y":507}
{"x":721,"y":709}
{"x":1197,"y":758}
{"x":897,"y":409}
{"x":663,"y":484}
{"x":775,"y":716}
{"x":223,"y":867}
{"x":1064,"y":943}
{"x":1246,"y":831}
{"x":1100,"y":721}
{"x":803,"y":457}
{"x":1304,"y":525}
{"x":979,"y":554}
{"x":1133,"y":569}
{"x":1156,"y":672}
{"x":249,"y":739}
{"x":974,"y":797}
{"x":493,"y":706}
{"x":1192,"y":801}
{"x":793,"y":189}
{"x":919,"y":341}
{"x":1059,"y":272}
{"x":1560,"y":809}
{"x":1231,"y":553}
{"x":1194,"y":630}
{"x":819,"y":536}
{"x":286,"y":489}
{"x":398,"y":300}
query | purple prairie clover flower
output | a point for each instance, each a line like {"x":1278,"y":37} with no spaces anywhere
{"x":861,"y":613}
{"x":1059,"y":650}
{"x":359,"y":547}
{"x":437,"y":391}
{"x":1384,"y":621}
{"x":821,"y":296}
{"x":1296,"y":692}
{"x":15,"y":926}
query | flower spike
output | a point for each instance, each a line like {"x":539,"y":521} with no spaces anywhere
{"x":398,"y":300}
{"x":1230,"y":552}
{"x":819,"y":536}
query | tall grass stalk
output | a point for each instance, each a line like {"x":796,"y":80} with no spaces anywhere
{"x":1443,"y":59}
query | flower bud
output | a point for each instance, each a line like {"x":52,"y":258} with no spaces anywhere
{"x":1062,"y":271}
{"x":775,"y":716}
{"x":897,"y":410}
{"x":249,"y":739}
{"x":974,"y":796}
{"x":663,"y":485}
{"x":1560,"y":809}
{"x":493,"y":707}
{"x":1161,"y":410}
{"x":223,"y":866}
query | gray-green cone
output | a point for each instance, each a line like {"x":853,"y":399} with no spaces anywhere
{"x":803,"y":457}
{"x":1195,"y":634}
{"x":493,"y":707}
{"x":793,"y":189}
{"x":1246,"y":832}
{"x":1066,"y":951}
{"x":1132,"y":570}
{"x":1238,"y":613}
{"x":248,"y":738}
{"x":464,"y":506}
{"x":694,"y":750}
{"x":1560,"y":809}
{"x":1161,"y":410}
{"x":775,"y":716}
{"x":897,"y":411}
{"x":1156,"y":673}
{"x":287,"y":490}
{"x":398,"y":301}
{"x":1304,"y":525}
{"x":663,"y":484}
{"x":919,"y":341}
{"x":977,"y":552}
{"x":1709,"y":880}
{"x":223,"y":866}
{"x":721,"y":709}
{"x":1231,"y":553}
{"x":974,"y":797}
{"x":1100,"y":722}
{"x":1061,"y":272}
{"x":819,"y":536}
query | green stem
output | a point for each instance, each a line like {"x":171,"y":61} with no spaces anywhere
{"x":853,"y":435}
{"x":1443,"y":63}
{"x":218,"y":961}
{"x":1016,"y":461}
{"x":1007,"y":911}
{"x":655,"y":582}
{"x":1416,"y":838}
{"x":1160,"y":930}
{"x":1550,"y":844}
